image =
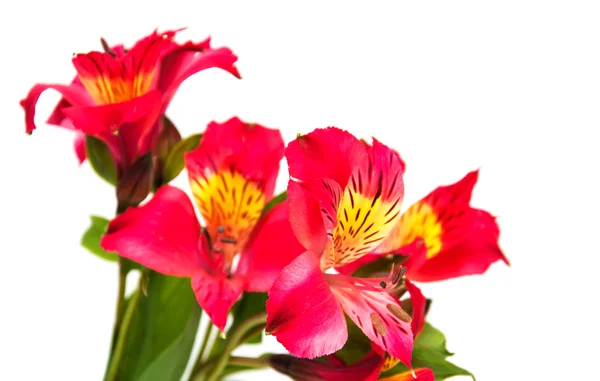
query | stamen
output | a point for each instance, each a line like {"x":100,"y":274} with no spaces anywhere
{"x":378,"y":324}
{"x":398,"y":312}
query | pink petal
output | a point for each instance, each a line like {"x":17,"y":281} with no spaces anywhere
{"x":272,"y":247}
{"x":302,"y":312}
{"x":325,"y":153}
{"x":79,"y":145}
{"x":306,"y":218}
{"x":419,"y":302}
{"x":216,"y":295}
{"x":164,"y":234}
{"x":74,"y":94}
{"x":377,"y":313}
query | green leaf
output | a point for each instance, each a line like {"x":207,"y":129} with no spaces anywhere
{"x":163,"y":326}
{"x":430,"y":352}
{"x":91,"y":238}
{"x":100,"y":159}
{"x":274,"y":201}
{"x":174,"y":163}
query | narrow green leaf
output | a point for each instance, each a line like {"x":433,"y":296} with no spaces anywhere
{"x":100,"y":159}
{"x":430,"y":352}
{"x":174,"y":163}
{"x":91,"y":238}
{"x":281,"y":197}
{"x":160,"y":339}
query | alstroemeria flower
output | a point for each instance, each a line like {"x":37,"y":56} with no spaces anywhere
{"x":232,"y":174}
{"x":443,"y":236}
{"x":119,"y":95}
{"x":369,"y":368}
{"x":345,"y":198}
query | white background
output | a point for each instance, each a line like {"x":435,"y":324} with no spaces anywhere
{"x":511,"y":87}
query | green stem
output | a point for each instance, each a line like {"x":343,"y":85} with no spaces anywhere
{"x":230,"y":345}
{"x":207,"y":334}
{"x":117,"y":353}
{"x":120,"y":296}
{"x":249,"y":362}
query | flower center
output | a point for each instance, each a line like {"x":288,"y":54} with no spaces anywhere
{"x":231,"y":205}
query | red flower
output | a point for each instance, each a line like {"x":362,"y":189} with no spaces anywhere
{"x":333,"y":369}
{"x":345,"y":199}
{"x":232,"y":174}
{"x":444,"y":236}
{"x":118,"y":96}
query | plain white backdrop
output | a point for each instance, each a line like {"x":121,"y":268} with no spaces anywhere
{"x":511,"y":87}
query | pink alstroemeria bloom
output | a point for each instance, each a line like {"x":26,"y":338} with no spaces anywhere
{"x":118,"y":96}
{"x":345,"y":198}
{"x":232,"y":175}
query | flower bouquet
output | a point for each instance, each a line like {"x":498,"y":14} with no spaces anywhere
{"x":330,"y":267}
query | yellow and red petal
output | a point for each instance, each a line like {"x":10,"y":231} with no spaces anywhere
{"x":421,"y":374}
{"x":366,"y":369}
{"x":378,"y":314}
{"x":370,"y":206}
{"x":303,"y":313}
{"x":163,"y":235}
{"x":271,"y":247}
{"x":114,"y":79}
{"x":232,"y":174}
{"x":458,"y":239}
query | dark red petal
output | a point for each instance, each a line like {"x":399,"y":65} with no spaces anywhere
{"x":422,"y":374}
{"x":419,"y":302}
{"x":188,"y":59}
{"x":306,"y":218}
{"x":74,"y":94}
{"x":298,"y":369}
{"x":325,"y":153}
{"x":272,"y":247}
{"x":216,"y":295}
{"x":302,"y":312}
{"x":164,"y":234}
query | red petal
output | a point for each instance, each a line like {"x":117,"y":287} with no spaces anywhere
{"x":366,"y":369}
{"x":325,"y":153}
{"x":306,"y":218}
{"x":419,"y":303}
{"x":272,"y":247}
{"x":377,"y":313}
{"x":248,"y":148}
{"x":163,"y":234}
{"x":74,"y":94}
{"x":216,"y":295}
{"x":188,"y":59}
{"x":96,"y":120}
{"x":302,"y":312}
{"x":422,"y":374}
